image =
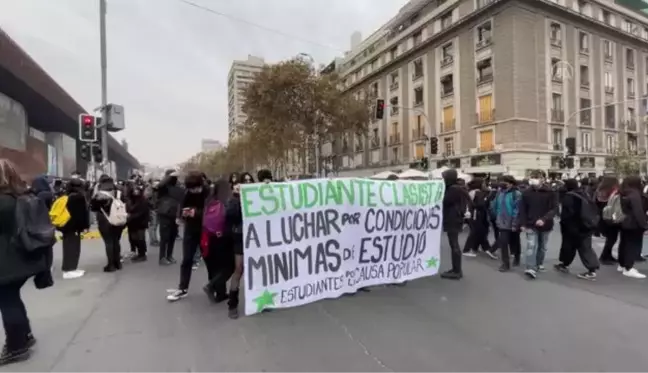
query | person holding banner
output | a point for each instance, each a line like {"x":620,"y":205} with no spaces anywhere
{"x":455,"y":202}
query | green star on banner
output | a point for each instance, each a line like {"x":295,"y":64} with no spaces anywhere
{"x":264,"y":300}
{"x":432,"y":262}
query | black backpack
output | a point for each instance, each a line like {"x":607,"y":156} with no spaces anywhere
{"x":589,"y":215}
{"x":34,"y":230}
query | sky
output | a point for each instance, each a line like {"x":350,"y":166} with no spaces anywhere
{"x":168,"y":61}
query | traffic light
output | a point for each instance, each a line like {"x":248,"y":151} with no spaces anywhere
{"x":85,"y":152}
{"x":569,"y":162}
{"x":570,"y":144}
{"x":97,"y":153}
{"x":562,"y":163}
{"x":434,"y":146}
{"x":87,"y":128}
{"x":380,"y":108}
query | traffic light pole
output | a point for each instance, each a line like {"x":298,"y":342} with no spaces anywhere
{"x":104,"y":83}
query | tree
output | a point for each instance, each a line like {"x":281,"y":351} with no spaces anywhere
{"x":289,"y":106}
{"x":626,"y":162}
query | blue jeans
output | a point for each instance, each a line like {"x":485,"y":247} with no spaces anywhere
{"x":536,"y":248}
{"x":153,"y":229}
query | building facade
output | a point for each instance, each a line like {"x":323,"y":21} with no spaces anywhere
{"x":209,"y":146}
{"x":500,"y":84}
{"x":241,"y":74}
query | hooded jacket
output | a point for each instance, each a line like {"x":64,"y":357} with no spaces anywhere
{"x":77,"y":207}
{"x":41,"y":188}
{"x":538,"y":203}
{"x":455,"y":202}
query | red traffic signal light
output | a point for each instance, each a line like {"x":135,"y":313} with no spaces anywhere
{"x":87,"y":128}
{"x":380,"y":108}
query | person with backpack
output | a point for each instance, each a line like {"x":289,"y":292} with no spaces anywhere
{"x":633,"y":224}
{"x":190,"y":214}
{"x":579,"y":219}
{"x":73,"y":205}
{"x":607,"y":192}
{"x":19,"y":262}
{"x":216,"y":253}
{"x":537,"y":210}
{"x":109,"y":205}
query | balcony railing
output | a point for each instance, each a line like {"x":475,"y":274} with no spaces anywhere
{"x":394,"y":139}
{"x":608,"y":58}
{"x":558,"y":147}
{"x":557,"y":115}
{"x":483,"y":43}
{"x":485,"y":116}
{"x":486,"y":148}
{"x":447,"y":60}
{"x":418,"y":134}
{"x":417,"y":74}
{"x":584,"y":50}
{"x":448,"y":125}
{"x":448,"y":153}
{"x":585,"y":119}
{"x":631,"y":95}
{"x":345,"y":147}
{"x":556,"y":42}
{"x":609,"y":89}
{"x":586,"y":149}
{"x":485,"y":78}
{"x":375,"y":142}
{"x":630,"y":65}
{"x":610,"y":123}
{"x":447,"y":91}
{"x":631,"y":125}
{"x":585,"y":84}
{"x":359,"y":146}
{"x":393,"y":86}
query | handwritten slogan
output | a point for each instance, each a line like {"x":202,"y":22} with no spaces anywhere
{"x":315,"y":239}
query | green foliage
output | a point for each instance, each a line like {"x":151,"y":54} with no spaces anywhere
{"x":625,"y":162}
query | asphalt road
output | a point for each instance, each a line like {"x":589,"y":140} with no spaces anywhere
{"x":489,"y":321}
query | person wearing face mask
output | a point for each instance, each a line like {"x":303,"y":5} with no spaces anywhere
{"x":504,"y":207}
{"x":169,"y":197}
{"x":191,"y":215}
{"x":138,"y":218}
{"x":537,"y":210}
{"x":234,"y":223}
{"x":455,"y":202}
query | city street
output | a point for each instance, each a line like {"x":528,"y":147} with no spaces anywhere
{"x":489,"y":321}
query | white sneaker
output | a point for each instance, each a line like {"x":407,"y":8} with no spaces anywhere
{"x":70,"y":275}
{"x":620,"y":269}
{"x":470,"y":254}
{"x":633,"y":273}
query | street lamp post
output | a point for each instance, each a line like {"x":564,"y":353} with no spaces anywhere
{"x":104,"y":83}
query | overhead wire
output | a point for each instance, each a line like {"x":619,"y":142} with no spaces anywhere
{"x":259,"y":26}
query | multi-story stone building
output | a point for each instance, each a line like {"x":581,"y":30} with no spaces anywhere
{"x":501,"y":84}
{"x":241,"y":74}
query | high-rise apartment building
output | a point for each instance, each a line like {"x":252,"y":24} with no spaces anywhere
{"x":501,"y":84}
{"x":241,"y":74}
{"x":209,"y":145}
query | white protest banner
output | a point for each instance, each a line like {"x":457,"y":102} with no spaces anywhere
{"x":315,"y":239}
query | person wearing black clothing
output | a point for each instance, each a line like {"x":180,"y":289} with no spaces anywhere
{"x":537,"y":209}
{"x":455,"y":202}
{"x":478,"y":220}
{"x":15,"y":269}
{"x":632,"y":228}
{"x":191,"y":214}
{"x":234,"y":221}
{"x":101,"y":203}
{"x":138,"y":210}
{"x":78,"y":223}
{"x":41,"y":188}
{"x":576,"y":236}
{"x":169,"y":198}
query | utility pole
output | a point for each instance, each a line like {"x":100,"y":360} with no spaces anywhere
{"x":104,"y":84}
